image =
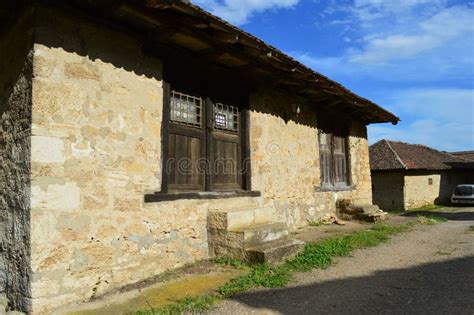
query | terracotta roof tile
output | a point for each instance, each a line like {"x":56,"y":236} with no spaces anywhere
{"x":392,"y":155}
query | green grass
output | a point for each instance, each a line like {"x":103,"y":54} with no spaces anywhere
{"x":316,"y":223}
{"x":471,"y":228}
{"x":396,"y":212}
{"x":424,"y":208}
{"x":314,"y":256}
{"x":427,"y":208}
{"x":225,"y":260}
{"x":430,"y":219}
{"x":320,"y":255}
{"x":265,"y":275}
{"x":197,"y":304}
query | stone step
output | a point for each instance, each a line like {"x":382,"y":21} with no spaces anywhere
{"x":371,"y":209}
{"x":371,"y":217}
{"x":235,"y":219}
{"x":237,"y":203}
{"x":261,"y":233}
{"x":274,"y":251}
{"x":368,"y":213}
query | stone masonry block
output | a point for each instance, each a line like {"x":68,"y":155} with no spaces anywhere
{"x":47,"y":150}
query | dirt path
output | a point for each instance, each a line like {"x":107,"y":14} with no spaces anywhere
{"x":428,"y":270}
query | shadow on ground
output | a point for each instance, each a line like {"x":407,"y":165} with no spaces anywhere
{"x":444,"y":287}
{"x":453,"y":216}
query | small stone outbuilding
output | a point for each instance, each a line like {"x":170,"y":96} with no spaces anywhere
{"x":137,"y":136}
{"x":407,"y":176}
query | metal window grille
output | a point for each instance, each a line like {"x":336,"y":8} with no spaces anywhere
{"x":226,"y":117}
{"x":186,"y":109}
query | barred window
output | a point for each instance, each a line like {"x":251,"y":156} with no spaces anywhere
{"x":186,"y":109}
{"x":226,"y":117}
{"x":203,"y":145}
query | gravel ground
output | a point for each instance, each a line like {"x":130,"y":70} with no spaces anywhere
{"x":428,"y":270}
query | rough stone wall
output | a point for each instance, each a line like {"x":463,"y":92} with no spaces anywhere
{"x":97,"y":109}
{"x":388,"y":190}
{"x":286,"y":166}
{"x":284,"y":157}
{"x":15,"y":129}
{"x":418,"y":191}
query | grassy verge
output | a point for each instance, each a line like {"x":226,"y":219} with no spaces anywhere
{"x":314,"y":256}
{"x":424,"y":208}
{"x":430,"y":219}
{"x":428,"y":208}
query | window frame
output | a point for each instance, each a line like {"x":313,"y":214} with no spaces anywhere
{"x":243,"y":147}
{"x":332,"y":185}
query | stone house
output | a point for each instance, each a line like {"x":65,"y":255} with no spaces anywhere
{"x":139,"y":136}
{"x":407,"y":176}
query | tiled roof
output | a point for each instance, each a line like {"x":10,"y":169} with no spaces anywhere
{"x":391,"y":155}
{"x":469,"y":155}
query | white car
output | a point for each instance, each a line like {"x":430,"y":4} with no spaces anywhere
{"x":463,"y":194}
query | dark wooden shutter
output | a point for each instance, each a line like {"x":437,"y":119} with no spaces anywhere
{"x":224,"y":147}
{"x":325,"y":158}
{"x":186,"y":143}
{"x":340,"y":161}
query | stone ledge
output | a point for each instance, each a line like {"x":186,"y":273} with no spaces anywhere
{"x":335,"y":188}
{"x":158,"y":197}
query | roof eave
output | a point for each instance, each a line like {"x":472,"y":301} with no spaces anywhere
{"x":379,"y":114}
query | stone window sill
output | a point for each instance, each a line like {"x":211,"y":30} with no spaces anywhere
{"x":158,"y":197}
{"x":334,"y":188}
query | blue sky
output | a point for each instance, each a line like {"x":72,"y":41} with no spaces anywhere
{"x":413,"y":57}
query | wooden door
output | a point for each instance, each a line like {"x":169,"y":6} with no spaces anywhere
{"x":186,"y":143}
{"x":224,"y":147}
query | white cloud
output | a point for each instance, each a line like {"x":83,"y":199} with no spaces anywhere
{"x":404,"y":43}
{"x":440,"y":104}
{"x":407,"y":55}
{"x":239,"y":11}
{"x":435,"y":31}
{"x":447,"y":136}
{"x":445,"y":118}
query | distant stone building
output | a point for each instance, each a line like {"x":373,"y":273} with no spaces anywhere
{"x":406,"y":176}
{"x":140,"y":136}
